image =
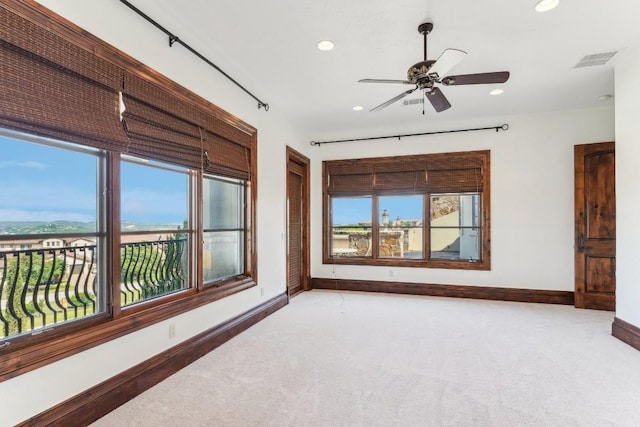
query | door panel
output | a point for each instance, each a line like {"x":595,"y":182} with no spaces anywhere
{"x":595,"y":226}
{"x":297,"y":222}
{"x":295,"y":233}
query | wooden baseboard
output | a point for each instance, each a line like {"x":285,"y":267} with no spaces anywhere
{"x":626,"y":332}
{"x":455,"y":291}
{"x":103,"y":398}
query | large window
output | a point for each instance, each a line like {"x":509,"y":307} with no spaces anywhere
{"x":420,"y":211}
{"x":54,"y":234}
{"x":126,"y":199}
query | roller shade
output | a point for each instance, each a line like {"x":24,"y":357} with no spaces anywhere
{"x":163,"y":127}
{"x":53,"y":88}
{"x":429,"y":173}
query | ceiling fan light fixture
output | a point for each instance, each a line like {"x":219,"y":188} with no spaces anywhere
{"x":326,"y":45}
{"x":496,"y":92}
{"x":546,"y":5}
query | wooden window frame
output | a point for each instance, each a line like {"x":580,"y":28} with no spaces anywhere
{"x":28,"y":352}
{"x":361,"y":168}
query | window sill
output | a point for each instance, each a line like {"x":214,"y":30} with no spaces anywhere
{"x":390,"y":262}
{"x":34,"y":351}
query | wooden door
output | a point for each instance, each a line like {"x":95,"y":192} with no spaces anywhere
{"x":297,"y":222}
{"x":595,"y":226}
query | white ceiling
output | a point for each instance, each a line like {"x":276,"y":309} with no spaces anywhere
{"x":270,"y":48}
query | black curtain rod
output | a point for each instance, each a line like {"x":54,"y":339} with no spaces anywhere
{"x":496,"y":128}
{"x":175,"y":39}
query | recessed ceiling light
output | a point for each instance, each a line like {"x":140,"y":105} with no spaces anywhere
{"x":326,"y":45}
{"x":546,"y":5}
{"x":605,"y":97}
{"x":496,"y":92}
{"x":358,"y":108}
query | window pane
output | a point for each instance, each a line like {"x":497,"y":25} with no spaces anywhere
{"x":223,"y":218}
{"x":49,"y":265}
{"x":46,"y":189}
{"x":151,"y":268}
{"x":351,"y":226}
{"x":153,"y":197}
{"x":223,"y":203}
{"x":455,"y":231}
{"x":400,"y":233}
{"x":222,"y":255}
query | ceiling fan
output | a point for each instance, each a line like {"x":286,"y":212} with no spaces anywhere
{"x":425,"y":74}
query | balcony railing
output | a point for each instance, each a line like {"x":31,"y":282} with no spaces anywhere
{"x":44,"y":287}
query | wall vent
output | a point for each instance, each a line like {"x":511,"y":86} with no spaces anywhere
{"x":595,"y":59}
{"x":407,"y":102}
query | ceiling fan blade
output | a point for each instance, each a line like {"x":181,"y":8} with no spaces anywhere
{"x":449,"y":59}
{"x":392,"y":100}
{"x":406,"y":82}
{"x":476,"y":79}
{"x":437,"y":99}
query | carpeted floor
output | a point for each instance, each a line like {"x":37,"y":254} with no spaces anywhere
{"x":356,"y":359}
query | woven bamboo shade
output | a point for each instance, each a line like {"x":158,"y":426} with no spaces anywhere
{"x":429,"y":173}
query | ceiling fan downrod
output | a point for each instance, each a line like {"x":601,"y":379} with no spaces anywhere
{"x":425,"y":29}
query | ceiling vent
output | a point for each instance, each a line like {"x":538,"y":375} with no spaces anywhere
{"x":408,"y":102}
{"x":595,"y":59}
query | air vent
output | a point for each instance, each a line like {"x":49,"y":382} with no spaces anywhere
{"x":407,"y":102}
{"x":595,"y":59}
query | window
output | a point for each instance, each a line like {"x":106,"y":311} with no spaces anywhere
{"x":50,"y":192}
{"x":376,"y":211}
{"x":155,"y":230}
{"x":224,"y":234}
{"x":455,"y":226}
{"x":351,"y":226}
{"x":105,"y":234}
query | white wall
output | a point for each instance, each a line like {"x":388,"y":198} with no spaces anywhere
{"x":36,"y":391}
{"x":531,"y":196}
{"x":627,"y":93}
{"x":532,"y":199}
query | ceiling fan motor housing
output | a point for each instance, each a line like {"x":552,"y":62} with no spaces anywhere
{"x":419,"y":74}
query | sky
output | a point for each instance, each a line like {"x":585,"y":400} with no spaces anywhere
{"x":352,"y":210}
{"x":42,"y":183}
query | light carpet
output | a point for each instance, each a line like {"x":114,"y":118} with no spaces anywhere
{"x":356,"y":359}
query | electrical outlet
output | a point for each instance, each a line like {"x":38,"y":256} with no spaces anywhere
{"x":390,"y":272}
{"x":261,"y":291}
{"x":172,"y":330}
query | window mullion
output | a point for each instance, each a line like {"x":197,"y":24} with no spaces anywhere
{"x":113,"y":231}
{"x":375,"y":227}
{"x":197,"y":229}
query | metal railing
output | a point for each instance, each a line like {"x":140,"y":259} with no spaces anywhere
{"x":48,"y":286}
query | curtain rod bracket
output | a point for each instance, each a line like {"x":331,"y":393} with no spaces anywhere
{"x":498,"y":128}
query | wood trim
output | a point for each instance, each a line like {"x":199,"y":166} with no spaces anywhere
{"x":626,"y":332}
{"x":103,"y":398}
{"x":453,"y":291}
{"x":24,"y":355}
{"x":294,"y":156}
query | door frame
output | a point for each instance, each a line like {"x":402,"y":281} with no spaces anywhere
{"x":583,"y":246}
{"x":298,"y":158}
